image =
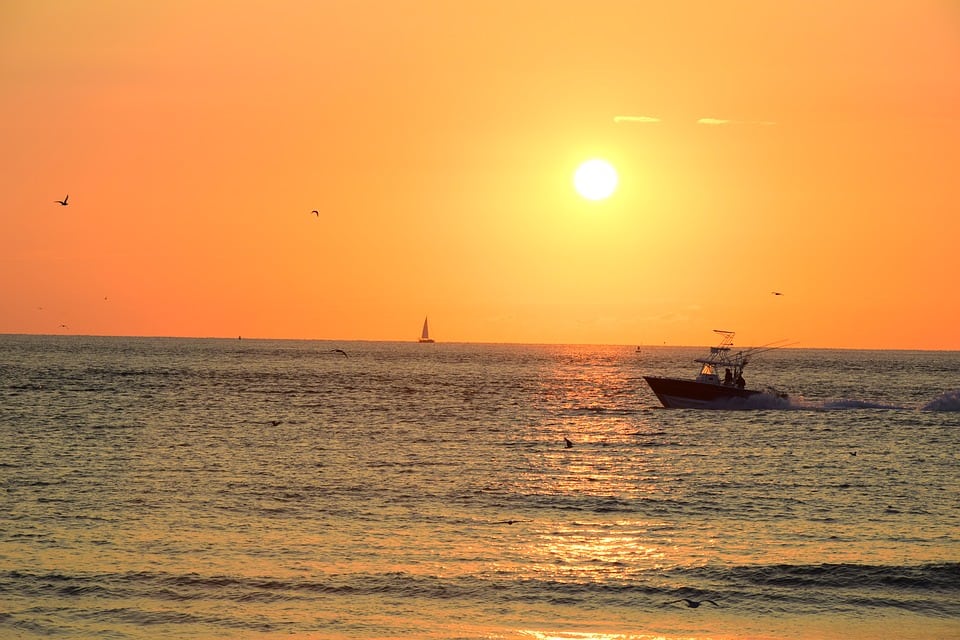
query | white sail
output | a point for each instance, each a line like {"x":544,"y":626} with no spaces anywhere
{"x":425,"y":334}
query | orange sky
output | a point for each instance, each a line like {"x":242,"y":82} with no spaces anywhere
{"x":438,"y":140}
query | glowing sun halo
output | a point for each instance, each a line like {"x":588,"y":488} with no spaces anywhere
{"x":595,"y":179}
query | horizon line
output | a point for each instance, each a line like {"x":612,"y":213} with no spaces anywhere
{"x":462,"y":342}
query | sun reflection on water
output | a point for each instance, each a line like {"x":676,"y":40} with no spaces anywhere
{"x":592,"y":551}
{"x":591,"y":635}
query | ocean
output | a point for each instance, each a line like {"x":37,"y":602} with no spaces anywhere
{"x":205,"y":488}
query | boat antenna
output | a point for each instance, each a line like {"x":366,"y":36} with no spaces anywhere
{"x":727,"y":341}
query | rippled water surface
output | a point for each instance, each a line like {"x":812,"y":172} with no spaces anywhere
{"x":167,"y":488}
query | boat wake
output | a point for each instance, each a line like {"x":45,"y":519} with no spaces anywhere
{"x":949,"y":401}
{"x":839,"y":405}
{"x":770,"y":399}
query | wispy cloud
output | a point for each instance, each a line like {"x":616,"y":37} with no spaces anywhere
{"x":620,"y":119}
{"x":720,"y":121}
{"x":710,"y":122}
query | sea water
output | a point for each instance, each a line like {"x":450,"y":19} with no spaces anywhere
{"x":175,"y":488}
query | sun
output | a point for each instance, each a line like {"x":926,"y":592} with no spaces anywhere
{"x":595,"y":179}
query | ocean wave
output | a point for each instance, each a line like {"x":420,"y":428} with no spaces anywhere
{"x":942,"y":577}
{"x":171,"y":605}
{"x":882,"y":581}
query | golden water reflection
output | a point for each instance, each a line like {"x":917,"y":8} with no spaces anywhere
{"x":589,"y":635}
{"x":592,"y":551}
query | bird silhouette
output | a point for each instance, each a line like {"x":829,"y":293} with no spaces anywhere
{"x":63,"y":202}
{"x":316,"y":213}
{"x":340,"y":351}
{"x":776,"y":293}
{"x":567,"y":444}
{"x":693,"y":604}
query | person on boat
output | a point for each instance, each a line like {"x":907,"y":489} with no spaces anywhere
{"x":741,"y":383}
{"x":728,"y":377}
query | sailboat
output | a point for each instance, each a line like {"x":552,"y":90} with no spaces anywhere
{"x":425,"y":334}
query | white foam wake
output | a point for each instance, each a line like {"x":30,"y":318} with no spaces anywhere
{"x":949,"y":401}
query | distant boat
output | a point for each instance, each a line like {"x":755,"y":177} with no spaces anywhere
{"x":425,"y":334}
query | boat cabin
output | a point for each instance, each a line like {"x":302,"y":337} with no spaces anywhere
{"x":708,"y":374}
{"x":721,"y":356}
{"x":732,"y":375}
{"x":732,"y":368}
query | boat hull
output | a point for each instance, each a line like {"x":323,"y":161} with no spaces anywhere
{"x":675,"y":393}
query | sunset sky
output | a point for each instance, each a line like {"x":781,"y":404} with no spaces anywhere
{"x":810,"y":147}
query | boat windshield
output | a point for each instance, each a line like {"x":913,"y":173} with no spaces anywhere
{"x":707,"y":369}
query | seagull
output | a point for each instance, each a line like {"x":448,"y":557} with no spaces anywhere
{"x":567,"y":444}
{"x":63,"y":202}
{"x":693,"y":604}
{"x":316,"y":213}
{"x":341,"y":351}
{"x":776,"y":293}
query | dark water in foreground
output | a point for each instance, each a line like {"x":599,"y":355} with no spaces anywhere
{"x":166,"y":488}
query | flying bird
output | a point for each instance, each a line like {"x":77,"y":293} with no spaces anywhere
{"x":567,"y":444}
{"x":693,"y":604}
{"x":340,"y":351}
{"x":776,"y":293}
{"x":316,"y":213}
{"x":63,"y":202}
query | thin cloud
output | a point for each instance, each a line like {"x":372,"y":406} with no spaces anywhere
{"x":645,"y":119}
{"x":720,"y":121}
{"x":710,"y":122}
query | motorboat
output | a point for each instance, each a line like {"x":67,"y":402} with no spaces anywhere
{"x":710,"y":390}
